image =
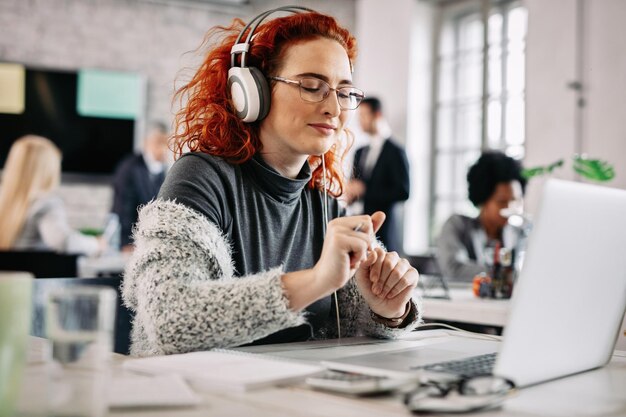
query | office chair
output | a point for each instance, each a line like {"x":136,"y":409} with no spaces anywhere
{"x":432,"y":282}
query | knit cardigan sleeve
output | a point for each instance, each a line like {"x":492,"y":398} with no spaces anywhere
{"x":181,"y":286}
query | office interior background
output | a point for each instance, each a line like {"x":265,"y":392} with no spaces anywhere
{"x":552,"y":83}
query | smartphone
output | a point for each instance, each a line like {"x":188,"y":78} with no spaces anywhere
{"x":355,"y":383}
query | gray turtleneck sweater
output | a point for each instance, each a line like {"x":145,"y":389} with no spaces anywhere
{"x":210,"y":254}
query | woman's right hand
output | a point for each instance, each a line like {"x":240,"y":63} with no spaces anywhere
{"x":344,"y":249}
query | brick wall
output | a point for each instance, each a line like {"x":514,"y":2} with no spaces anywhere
{"x":147,"y":37}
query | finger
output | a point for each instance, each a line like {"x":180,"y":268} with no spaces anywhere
{"x":362,"y":223}
{"x":394,"y":276}
{"x":372,"y":256}
{"x":355,"y":248}
{"x":409,"y":279}
{"x":376,"y":268}
{"x":354,"y":231}
{"x":352,"y":234}
{"x":404,"y":296}
{"x":388,"y":264}
{"x":378,"y":219}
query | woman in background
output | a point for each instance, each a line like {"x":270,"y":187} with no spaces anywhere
{"x":495,"y":183}
{"x":32,"y":215}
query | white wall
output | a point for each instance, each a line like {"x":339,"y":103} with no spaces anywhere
{"x":395,"y":64}
{"x":605,"y":136}
{"x":551,"y":114}
{"x":383,"y":32}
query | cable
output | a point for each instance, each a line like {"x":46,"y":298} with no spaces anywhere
{"x":473,"y":334}
{"x":325,"y":211}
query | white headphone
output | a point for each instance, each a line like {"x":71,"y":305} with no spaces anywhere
{"x":249,"y":90}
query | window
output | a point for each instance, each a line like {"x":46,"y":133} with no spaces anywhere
{"x":470,"y":114}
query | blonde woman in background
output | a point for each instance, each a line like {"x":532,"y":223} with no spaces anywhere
{"x":32,"y":215}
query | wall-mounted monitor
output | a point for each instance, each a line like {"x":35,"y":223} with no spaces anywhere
{"x":90,"y":114}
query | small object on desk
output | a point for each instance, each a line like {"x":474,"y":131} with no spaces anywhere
{"x":226,"y":369}
{"x":482,"y":286}
{"x":355,"y":383}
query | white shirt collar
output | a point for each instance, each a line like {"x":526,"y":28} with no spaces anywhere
{"x":375,"y":146}
{"x":155,"y":167}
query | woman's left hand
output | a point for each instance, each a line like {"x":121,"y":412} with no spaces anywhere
{"x":386,"y":281}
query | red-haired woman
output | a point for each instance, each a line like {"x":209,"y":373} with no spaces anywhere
{"x":236,"y":248}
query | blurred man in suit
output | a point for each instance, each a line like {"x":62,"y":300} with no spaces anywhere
{"x":138,"y":178}
{"x":380,"y":173}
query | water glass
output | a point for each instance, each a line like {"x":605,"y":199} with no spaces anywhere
{"x":15,"y":312}
{"x":80,"y":324}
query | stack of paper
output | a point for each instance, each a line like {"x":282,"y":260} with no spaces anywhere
{"x":161,"y":391}
{"x":220,"y":369}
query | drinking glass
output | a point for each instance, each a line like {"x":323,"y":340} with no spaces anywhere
{"x":15,"y":312}
{"x":80,"y":323}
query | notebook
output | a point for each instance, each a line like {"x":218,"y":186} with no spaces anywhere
{"x":568,"y":303}
{"x":226,"y":369}
{"x":133,"y":391}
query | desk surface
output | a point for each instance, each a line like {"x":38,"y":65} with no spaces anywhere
{"x":597,"y":393}
{"x":464,"y":307}
{"x":110,"y":264}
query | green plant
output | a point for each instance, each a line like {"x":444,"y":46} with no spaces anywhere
{"x":90,"y":231}
{"x":592,"y":169}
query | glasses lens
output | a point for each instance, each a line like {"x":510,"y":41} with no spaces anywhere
{"x":485,"y":385}
{"x":313,"y":90}
{"x":427,"y":390}
{"x":349,"y":97}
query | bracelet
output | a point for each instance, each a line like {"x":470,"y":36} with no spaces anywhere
{"x":394,"y":321}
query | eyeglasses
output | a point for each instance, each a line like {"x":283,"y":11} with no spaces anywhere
{"x":315,"y":90}
{"x":461,"y":396}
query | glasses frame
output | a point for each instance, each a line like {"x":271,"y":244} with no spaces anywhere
{"x":441,"y":389}
{"x":330,"y":89}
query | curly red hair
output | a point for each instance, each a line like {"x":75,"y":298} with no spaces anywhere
{"x":208,"y":122}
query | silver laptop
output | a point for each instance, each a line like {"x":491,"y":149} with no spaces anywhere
{"x":568,"y":303}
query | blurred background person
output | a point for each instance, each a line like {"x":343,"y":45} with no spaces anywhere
{"x":380,"y":173}
{"x":32,"y":215}
{"x":496,"y":187}
{"x":138,"y":179}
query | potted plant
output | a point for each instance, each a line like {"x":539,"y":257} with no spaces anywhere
{"x":591,"y":169}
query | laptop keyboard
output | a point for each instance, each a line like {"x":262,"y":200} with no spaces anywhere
{"x":468,"y":367}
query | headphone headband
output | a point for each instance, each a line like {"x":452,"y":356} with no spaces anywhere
{"x":249,"y":91}
{"x":243,"y":48}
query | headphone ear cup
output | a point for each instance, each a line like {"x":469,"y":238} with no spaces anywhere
{"x":249,"y":92}
{"x":263,"y":89}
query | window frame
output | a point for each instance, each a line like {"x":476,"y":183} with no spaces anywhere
{"x":454,"y":13}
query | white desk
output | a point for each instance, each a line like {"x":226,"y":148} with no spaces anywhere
{"x":110,"y":264}
{"x":597,"y":393}
{"x":465,"y":307}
